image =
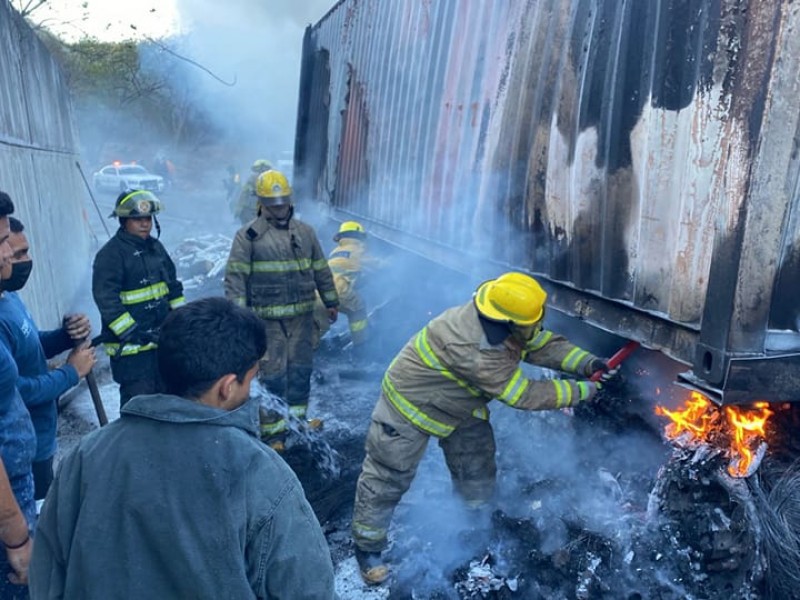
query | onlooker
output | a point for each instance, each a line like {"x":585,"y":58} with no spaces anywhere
{"x":179,"y":498}
{"x":17,"y":448}
{"x":134,"y":285}
{"x":15,"y":537}
{"x":39,"y":386}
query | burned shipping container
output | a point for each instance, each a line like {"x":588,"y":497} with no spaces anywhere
{"x":640,"y":158}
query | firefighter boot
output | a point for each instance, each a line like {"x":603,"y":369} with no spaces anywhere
{"x":272,"y":429}
{"x":373,"y":569}
{"x":314,"y":424}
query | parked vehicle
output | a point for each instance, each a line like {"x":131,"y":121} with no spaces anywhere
{"x":118,"y":177}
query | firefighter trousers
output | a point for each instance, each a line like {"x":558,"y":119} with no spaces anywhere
{"x":285,"y":369}
{"x":394,"y":449}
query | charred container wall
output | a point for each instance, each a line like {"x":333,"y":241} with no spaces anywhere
{"x":641,"y":158}
{"x":38,"y":153}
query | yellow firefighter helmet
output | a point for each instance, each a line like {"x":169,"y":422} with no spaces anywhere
{"x":273,"y":189}
{"x":261,"y":165}
{"x":350,"y":229}
{"x":511,"y":298}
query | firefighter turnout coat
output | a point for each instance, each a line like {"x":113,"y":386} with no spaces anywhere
{"x":448,"y":372}
{"x":439,"y":385}
{"x":134,"y":284}
{"x":346,"y":262}
{"x":276,"y":271}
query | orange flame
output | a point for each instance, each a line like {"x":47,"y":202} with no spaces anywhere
{"x":699,"y":418}
{"x":746,"y":425}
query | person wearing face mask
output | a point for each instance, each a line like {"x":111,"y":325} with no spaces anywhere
{"x":135,"y":285}
{"x":275,"y":267}
{"x":39,"y":386}
{"x":440,"y":384}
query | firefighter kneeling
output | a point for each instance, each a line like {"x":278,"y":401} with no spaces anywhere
{"x":275,"y":267}
{"x":346,"y":262}
{"x":439,"y":385}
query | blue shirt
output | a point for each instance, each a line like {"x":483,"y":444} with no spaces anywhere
{"x":17,"y":437}
{"x":39,"y":386}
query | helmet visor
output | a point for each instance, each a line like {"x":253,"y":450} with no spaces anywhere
{"x":137,"y":203}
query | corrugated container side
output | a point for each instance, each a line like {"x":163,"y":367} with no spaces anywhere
{"x":639,"y":157}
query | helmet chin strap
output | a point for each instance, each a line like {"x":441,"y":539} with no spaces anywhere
{"x":158,"y":226}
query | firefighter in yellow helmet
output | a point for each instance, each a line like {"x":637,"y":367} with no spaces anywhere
{"x":246,"y":206}
{"x":440,"y":384}
{"x":347,"y":261}
{"x":275,"y":267}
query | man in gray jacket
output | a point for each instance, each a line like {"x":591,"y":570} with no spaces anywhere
{"x":179,"y":498}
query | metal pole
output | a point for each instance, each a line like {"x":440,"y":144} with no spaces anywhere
{"x":91,"y":195}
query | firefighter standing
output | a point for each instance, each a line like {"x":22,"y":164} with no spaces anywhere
{"x":134,"y":285}
{"x":247,"y":204}
{"x":439,"y":385}
{"x":275,"y":267}
{"x":346,"y":262}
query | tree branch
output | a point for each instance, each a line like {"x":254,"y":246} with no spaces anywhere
{"x":169,"y":50}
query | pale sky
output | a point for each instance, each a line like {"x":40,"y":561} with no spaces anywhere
{"x":107,"y":20}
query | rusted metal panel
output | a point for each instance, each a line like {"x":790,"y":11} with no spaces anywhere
{"x":38,"y":154}
{"x":641,"y":155}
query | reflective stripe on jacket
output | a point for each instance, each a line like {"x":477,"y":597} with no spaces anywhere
{"x":448,"y":372}
{"x":134,"y":284}
{"x":276,"y":271}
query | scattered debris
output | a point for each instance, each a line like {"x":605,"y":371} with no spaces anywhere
{"x":201,"y":260}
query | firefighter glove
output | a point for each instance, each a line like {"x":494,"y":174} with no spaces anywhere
{"x":609,"y":375}
{"x":588,"y":390}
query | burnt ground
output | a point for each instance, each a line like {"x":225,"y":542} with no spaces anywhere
{"x":589,"y":505}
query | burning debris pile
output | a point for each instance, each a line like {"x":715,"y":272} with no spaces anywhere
{"x":200,"y":262}
{"x":737,"y":433}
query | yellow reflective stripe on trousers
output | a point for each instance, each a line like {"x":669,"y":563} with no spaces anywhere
{"x":358,"y":325}
{"x":112,"y":349}
{"x":563,"y":393}
{"x":176,"y":302}
{"x":427,"y":355}
{"x":280,"y":266}
{"x":573,"y":359}
{"x":298,"y":410}
{"x":122,"y":323}
{"x":514,"y":388}
{"x":538,"y":342}
{"x":412,"y":413}
{"x":481,"y":413}
{"x":374,"y":534}
{"x":284,"y":310}
{"x":238,"y":267}
{"x":273,"y":428}
{"x":150,"y":292}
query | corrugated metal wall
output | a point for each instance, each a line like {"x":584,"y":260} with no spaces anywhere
{"x":38,"y":151}
{"x":643,"y":153}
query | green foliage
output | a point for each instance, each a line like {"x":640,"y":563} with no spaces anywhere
{"x":119,"y":100}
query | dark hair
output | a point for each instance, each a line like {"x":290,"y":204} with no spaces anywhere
{"x":16,"y":225}
{"x":6,"y":205}
{"x":205,"y":340}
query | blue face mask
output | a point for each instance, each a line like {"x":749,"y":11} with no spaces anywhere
{"x":20,"y":272}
